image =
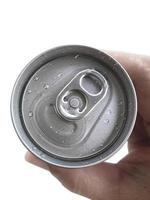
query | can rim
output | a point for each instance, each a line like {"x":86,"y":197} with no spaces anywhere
{"x":15,"y":106}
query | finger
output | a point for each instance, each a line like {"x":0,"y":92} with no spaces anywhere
{"x":92,"y":182}
{"x":38,"y":162}
{"x":138,"y":67}
{"x":139,"y":136}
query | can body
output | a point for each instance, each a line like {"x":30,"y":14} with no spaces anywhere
{"x":73,"y":106}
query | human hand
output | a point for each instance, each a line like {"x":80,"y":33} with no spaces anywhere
{"x":129,"y":179}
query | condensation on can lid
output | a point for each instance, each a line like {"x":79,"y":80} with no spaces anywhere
{"x":73,"y":106}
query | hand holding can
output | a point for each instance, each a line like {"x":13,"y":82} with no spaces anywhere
{"x":129,"y":178}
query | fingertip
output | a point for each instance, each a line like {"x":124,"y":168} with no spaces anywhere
{"x":29,"y":157}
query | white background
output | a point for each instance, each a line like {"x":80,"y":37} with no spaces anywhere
{"x":29,"y":27}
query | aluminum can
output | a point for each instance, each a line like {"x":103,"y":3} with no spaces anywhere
{"x":73,"y":106}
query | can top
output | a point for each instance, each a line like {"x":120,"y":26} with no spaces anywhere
{"x":73,"y":106}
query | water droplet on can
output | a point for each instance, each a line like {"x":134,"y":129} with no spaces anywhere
{"x":109,"y":111}
{"x":30,"y":114}
{"x":29,"y":91}
{"x":43,"y":155}
{"x":106,"y":121}
{"x":34,"y":148}
{"x":45,"y":86}
{"x":76,"y":56}
{"x":59,"y":75}
{"x":36,"y":78}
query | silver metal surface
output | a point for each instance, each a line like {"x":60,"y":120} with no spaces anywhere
{"x":81,"y":94}
{"x":73,"y":106}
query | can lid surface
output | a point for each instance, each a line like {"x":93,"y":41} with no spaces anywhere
{"x":73,"y":106}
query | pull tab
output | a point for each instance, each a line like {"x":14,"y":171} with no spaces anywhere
{"x":81,"y":94}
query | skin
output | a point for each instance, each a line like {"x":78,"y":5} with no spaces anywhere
{"x":129,"y":179}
